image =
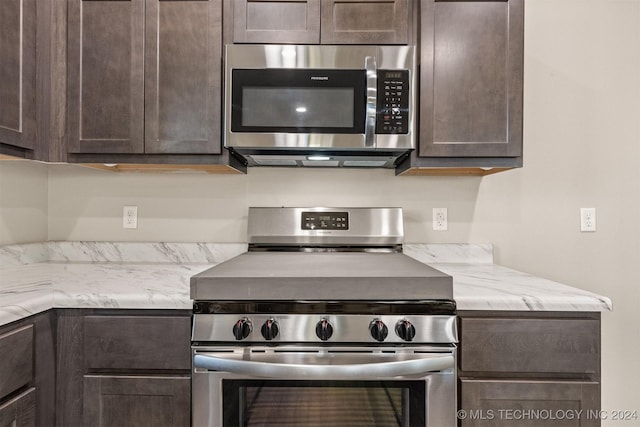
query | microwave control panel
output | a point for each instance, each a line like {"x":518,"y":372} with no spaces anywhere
{"x":392,"y":112}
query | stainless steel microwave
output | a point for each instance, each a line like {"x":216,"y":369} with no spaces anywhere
{"x":319,"y":105}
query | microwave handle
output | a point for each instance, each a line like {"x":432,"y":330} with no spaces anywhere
{"x":319,"y":372}
{"x":370,"y":114}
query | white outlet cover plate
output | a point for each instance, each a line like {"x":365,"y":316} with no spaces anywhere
{"x":588,"y":220}
{"x":130,"y":217}
{"x":440,"y":219}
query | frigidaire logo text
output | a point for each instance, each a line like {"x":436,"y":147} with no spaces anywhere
{"x":319,"y":78}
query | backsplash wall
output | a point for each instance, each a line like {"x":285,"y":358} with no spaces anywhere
{"x":23,"y":202}
{"x":86,"y":204}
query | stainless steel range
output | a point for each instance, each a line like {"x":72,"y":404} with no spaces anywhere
{"x":323,"y":322}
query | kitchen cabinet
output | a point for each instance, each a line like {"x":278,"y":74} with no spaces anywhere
{"x":529,"y":361}
{"x":471,"y":84}
{"x":18,"y":77}
{"x":19,"y":411}
{"x":16,"y":352}
{"x":144,"y":80}
{"x":113,"y":400}
{"x":27,"y":380}
{"x":124,"y":365}
{"x":320,"y":21}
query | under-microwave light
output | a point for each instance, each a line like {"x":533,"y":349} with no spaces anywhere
{"x":301,"y":109}
{"x":289,"y":52}
{"x":318,"y":158}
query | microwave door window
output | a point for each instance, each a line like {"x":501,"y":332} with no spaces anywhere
{"x":302,"y":101}
{"x":308,"y":109}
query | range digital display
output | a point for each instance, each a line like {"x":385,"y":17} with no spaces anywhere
{"x":325,"y":221}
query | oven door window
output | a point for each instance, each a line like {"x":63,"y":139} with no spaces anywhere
{"x":298,"y":101}
{"x":323,"y":403}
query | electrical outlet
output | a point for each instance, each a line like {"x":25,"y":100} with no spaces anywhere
{"x":130,"y":217}
{"x":587,"y":219}
{"x":440,"y":219}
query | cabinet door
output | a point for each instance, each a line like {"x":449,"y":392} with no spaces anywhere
{"x":17,"y":73}
{"x":136,"y":401}
{"x":276,"y":21}
{"x":529,"y":403}
{"x":183,"y":76}
{"x":16,"y":357}
{"x":106,"y":76}
{"x":471,"y":78}
{"x":365,"y":22}
{"x":19,"y":411}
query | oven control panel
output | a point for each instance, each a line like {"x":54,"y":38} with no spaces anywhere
{"x":325,"y":220}
{"x":299,"y":328}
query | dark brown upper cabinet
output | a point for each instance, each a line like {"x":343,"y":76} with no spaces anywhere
{"x":106,"y":76}
{"x":320,"y":21}
{"x":17,"y":77}
{"x":144,"y":77}
{"x":471,"y":81}
{"x":183,"y":76}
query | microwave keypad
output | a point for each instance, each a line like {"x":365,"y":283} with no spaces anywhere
{"x":392,"y":113}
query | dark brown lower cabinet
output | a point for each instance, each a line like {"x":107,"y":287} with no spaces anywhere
{"x":27,"y":373}
{"x":19,"y":411}
{"x":123,"y":368}
{"x":112,"y":400}
{"x":528,"y":403}
{"x":529,"y":369}
{"x":16,"y":353}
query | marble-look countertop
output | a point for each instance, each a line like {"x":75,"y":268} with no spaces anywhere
{"x":479,"y":284}
{"x":37,"y":277}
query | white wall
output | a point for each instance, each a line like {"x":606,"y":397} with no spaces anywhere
{"x":86,"y":204}
{"x":582,"y":149}
{"x":23,"y":202}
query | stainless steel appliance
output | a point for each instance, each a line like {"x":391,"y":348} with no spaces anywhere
{"x":323,"y":322}
{"x":319,"y":105}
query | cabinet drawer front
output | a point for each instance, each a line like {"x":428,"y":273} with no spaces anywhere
{"x":20,"y":411}
{"x":530,"y":345}
{"x":16,"y":354}
{"x":137,"y":342}
{"x":529,"y":403}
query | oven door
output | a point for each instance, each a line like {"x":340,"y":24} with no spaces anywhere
{"x":338,"y":386}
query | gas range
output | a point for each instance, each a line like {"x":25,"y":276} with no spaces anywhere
{"x":323,"y":322}
{"x":333,"y":275}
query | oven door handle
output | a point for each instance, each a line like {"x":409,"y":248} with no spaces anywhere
{"x":363,"y":371}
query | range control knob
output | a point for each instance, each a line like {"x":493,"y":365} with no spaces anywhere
{"x":242,"y":329}
{"x":269,"y":329}
{"x":378,"y":330}
{"x":405,"y":330}
{"x":324,"y":330}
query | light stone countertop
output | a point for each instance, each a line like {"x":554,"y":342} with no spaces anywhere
{"x":37,"y":277}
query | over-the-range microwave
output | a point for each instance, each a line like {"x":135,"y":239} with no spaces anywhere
{"x":319,"y":105}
